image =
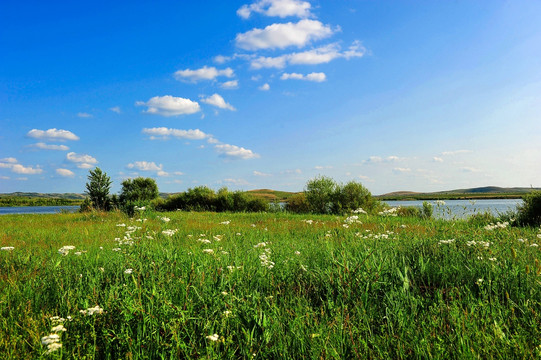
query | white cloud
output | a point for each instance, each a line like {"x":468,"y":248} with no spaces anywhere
{"x":262,"y":174}
{"x":85,"y":166}
{"x":233,"y":84}
{"x":218,"y":101}
{"x":179,"y":173}
{"x":319,"y":167}
{"x":170,"y":106}
{"x":181,"y":134}
{"x":65,"y":172}
{"x":280,"y":8}
{"x":116,"y":109}
{"x":283,"y":35}
{"x":437,"y":159}
{"x":378,"y":159}
{"x":316,"y":77}
{"x":44,"y":146}
{"x":84,"y":115}
{"x":4,"y":177}
{"x":362,"y":177}
{"x":401,"y":170}
{"x":264,"y":87}
{"x":469,"y":169}
{"x":320,"y":55}
{"x":10,"y":160}
{"x":205,"y":73}
{"x":292,"y":171}
{"x":145,"y":166}
{"x":81,"y":158}
{"x":162,"y":173}
{"x":456,"y":152}
{"x":52,"y":134}
{"x":22,"y":178}
{"x":20,"y":169}
{"x":233,"y":151}
{"x":237,"y":182}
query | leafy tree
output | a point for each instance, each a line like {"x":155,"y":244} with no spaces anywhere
{"x":352,"y":196}
{"x":138,"y":189}
{"x":319,"y":194}
{"x":97,"y":189}
{"x":529,"y":213}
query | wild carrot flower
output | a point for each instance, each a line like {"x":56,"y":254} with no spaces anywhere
{"x":208,"y":251}
{"x":91,"y":311}
{"x":225,"y":222}
{"x":7,"y":248}
{"x":261,"y":244}
{"x":58,"y":328}
{"x":214,"y":337}
{"x":49,"y":339}
{"x":128,"y":271}
{"x":65,"y":250}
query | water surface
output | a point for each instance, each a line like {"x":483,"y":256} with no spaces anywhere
{"x":37,"y":209}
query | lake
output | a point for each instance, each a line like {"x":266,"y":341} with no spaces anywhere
{"x":463,"y":208}
{"x":36,"y":209}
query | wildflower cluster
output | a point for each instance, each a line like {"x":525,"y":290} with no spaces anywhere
{"x":498,"y":225}
{"x":370,"y":235}
{"x":352,"y":219}
{"x":7,"y":248}
{"x":449,"y":241}
{"x":52,"y":341}
{"x":91,"y":311}
{"x":264,"y":258}
{"x":359,"y":211}
{"x":389,"y":212}
{"x":65,"y":250}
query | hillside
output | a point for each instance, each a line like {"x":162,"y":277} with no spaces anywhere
{"x":486,"y":192}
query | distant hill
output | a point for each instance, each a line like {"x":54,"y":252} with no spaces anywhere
{"x":70,"y":196}
{"x":487,"y":192}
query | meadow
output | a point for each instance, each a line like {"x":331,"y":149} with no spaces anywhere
{"x":188,"y":285}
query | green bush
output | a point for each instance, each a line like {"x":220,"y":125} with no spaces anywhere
{"x":529,"y":213}
{"x":428,"y":210}
{"x":320,"y":193}
{"x":298,"y":204}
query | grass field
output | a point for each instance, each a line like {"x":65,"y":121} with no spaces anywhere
{"x":266,"y":286}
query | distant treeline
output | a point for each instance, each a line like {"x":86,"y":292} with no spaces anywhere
{"x":12,"y":201}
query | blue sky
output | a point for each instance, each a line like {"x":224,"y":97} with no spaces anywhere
{"x":399,"y":95}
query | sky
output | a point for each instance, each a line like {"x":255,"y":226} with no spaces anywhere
{"x":398,"y":95}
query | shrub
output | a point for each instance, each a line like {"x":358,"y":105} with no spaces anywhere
{"x":529,"y":213}
{"x":320,"y":193}
{"x":138,"y":189}
{"x":352,"y":196}
{"x":298,"y":204}
{"x":428,"y":210}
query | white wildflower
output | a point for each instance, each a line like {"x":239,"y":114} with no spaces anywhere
{"x":447,"y":241}
{"x":91,"y":311}
{"x":214,"y":337}
{"x":58,"y":328}
{"x":225,"y":222}
{"x":7,"y":248}
{"x":359,"y":211}
{"x":297,"y":252}
{"x":49,"y":339}
{"x":217,"y":237}
{"x":440,"y":202}
{"x":53,"y":347}
{"x":224,"y":293}
{"x":208,"y":251}
{"x":261,"y":244}
{"x":204,"y":241}
{"x":303,"y":268}
{"x":121,"y":225}
{"x":165,"y":219}
{"x":492,"y":259}
{"x":227,"y":313}
{"x":169,"y":232}
{"x":142,"y":208}
{"x":116,"y":249}
{"x":65,"y":250}
{"x":128,"y":271}
{"x":534,"y":245}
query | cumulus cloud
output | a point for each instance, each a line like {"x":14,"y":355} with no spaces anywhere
{"x":44,"y":146}
{"x":83,"y":161}
{"x":9,"y":160}
{"x":236,"y":152}
{"x":65,"y":172}
{"x":264,"y":87}
{"x":262,"y":174}
{"x":170,"y":106}
{"x":204,"y":73}
{"x":320,"y":55}
{"x":164,"y":132}
{"x":437,"y":159}
{"x":52,"y":134}
{"x":280,"y":8}
{"x":116,"y":109}
{"x":20,"y":169}
{"x":379,"y":159}
{"x":283,"y":35}
{"x":84,"y":115}
{"x":320,"y":167}
{"x":233,"y":84}
{"x":218,"y":101}
{"x":316,"y":77}
{"x":237,"y":182}
{"x":145,"y":166}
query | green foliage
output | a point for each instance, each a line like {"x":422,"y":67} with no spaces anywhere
{"x":139,"y":189}
{"x":320,"y":193}
{"x":529,"y":213}
{"x":203,"y":198}
{"x":86,"y":206}
{"x":428,"y":210}
{"x":325,"y":196}
{"x":298,"y":204}
{"x":11,"y":201}
{"x":97,"y":189}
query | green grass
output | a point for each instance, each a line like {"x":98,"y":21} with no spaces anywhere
{"x":385,"y":288}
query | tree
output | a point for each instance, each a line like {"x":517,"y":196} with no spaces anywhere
{"x":138,"y":189}
{"x":319,"y":194}
{"x":352,"y":196}
{"x":97,"y":189}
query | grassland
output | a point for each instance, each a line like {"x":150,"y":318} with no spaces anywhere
{"x":267,"y":286}
{"x":12,"y":201}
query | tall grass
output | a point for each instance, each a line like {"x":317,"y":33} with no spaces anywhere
{"x":268,"y":286}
